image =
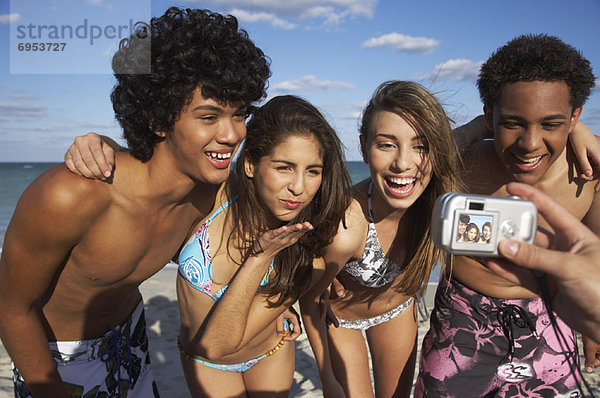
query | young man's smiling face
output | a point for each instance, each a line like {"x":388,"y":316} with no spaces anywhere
{"x":531,"y":122}
{"x":205,"y":137}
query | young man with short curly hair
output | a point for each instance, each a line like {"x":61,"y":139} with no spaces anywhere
{"x":76,"y":250}
{"x":489,"y":336}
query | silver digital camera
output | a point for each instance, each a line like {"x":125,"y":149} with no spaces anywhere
{"x":473,"y":225}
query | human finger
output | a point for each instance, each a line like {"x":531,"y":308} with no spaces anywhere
{"x":338,"y":288}
{"x":591,"y":351}
{"x":583,"y":165}
{"x":105,"y":159}
{"x":295,"y":330}
{"x":533,"y":257}
{"x":332,"y":318}
{"x":294,"y":322}
{"x":89,"y":155}
{"x":75,"y":164}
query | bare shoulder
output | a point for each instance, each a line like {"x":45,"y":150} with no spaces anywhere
{"x":577,"y":196}
{"x":60,"y":189}
{"x":350,"y":238}
{"x":52,"y":216}
{"x":563,"y":185}
{"x":59,"y":198}
{"x":592,"y":217}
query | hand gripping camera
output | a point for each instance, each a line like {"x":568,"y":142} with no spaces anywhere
{"x":473,"y":225}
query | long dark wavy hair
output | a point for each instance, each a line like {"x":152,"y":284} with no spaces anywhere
{"x":270,"y":125}
{"x":423,"y":112}
{"x":160,"y":66}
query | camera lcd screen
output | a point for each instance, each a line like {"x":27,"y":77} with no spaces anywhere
{"x":474,"y":229}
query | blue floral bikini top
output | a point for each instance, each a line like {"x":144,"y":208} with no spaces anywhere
{"x":195,"y":263}
{"x":374,"y":268}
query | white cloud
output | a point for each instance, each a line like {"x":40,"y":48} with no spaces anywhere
{"x":403,"y":43}
{"x":9,"y":18}
{"x":460,"y":70}
{"x":347,"y":111}
{"x":309,"y":83}
{"x":328,"y":14}
{"x":352,"y":115}
{"x":597,"y":86}
{"x":317,"y":12}
{"x":20,"y":110}
{"x":263,"y":17}
{"x":331,"y":12}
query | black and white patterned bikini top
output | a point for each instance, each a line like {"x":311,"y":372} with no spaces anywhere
{"x":373,"y":269}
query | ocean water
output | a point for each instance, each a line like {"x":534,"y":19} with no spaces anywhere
{"x":15,"y":177}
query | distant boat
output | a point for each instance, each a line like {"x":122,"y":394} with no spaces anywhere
{"x":27,"y":166}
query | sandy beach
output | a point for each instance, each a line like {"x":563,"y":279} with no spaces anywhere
{"x":162,"y":316}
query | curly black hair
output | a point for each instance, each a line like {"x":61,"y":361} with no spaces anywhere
{"x":181,"y":51}
{"x":536,"y":57}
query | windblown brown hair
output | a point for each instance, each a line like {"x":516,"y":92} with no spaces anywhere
{"x":423,"y":112}
{"x":270,"y":125}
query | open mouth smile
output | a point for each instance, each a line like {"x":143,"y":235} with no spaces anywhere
{"x":527,"y":164}
{"x":220,"y":160}
{"x":400,"y":187}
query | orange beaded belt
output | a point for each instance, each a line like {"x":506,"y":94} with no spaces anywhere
{"x":237,"y":367}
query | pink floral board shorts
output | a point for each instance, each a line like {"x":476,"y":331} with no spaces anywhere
{"x":479,"y":346}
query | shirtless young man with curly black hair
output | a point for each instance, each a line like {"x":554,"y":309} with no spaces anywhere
{"x":489,"y":336}
{"x":76,"y":250}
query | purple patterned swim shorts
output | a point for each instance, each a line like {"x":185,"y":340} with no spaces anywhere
{"x":479,"y":346}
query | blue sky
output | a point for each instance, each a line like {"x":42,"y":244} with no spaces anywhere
{"x":332,"y":52}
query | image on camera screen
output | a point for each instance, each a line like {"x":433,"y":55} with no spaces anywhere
{"x":474,"y":228}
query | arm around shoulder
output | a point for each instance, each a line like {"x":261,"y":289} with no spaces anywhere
{"x":92,"y":155}
{"x":474,"y":131}
{"x":586,"y":147}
